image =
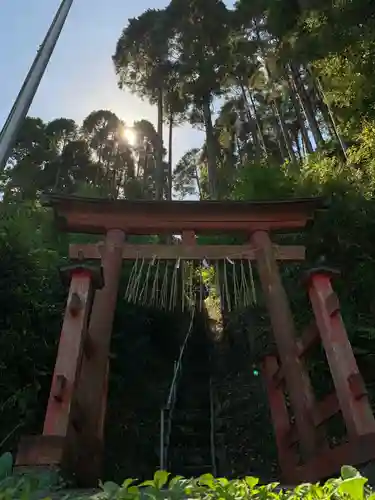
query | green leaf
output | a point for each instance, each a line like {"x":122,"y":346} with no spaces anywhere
{"x":347,"y":472}
{"x":110,"y":488}
{"x":148,"y":483}
{"x":127,"y":483}
{"x":251,"y":481}
{"x":176,"y":481}
{"x":354,"y":487}
{"x":160,"y":478}
{"x":133,"y":490}
{"x":223,"y":481}
{"x":207,"y":480}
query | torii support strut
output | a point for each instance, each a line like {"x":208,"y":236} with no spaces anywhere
{"x":63,"y":421}
{"x":350,"y":397}
{"x":80,"y":450}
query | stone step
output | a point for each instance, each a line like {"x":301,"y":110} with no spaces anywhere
{"x":191,"y":413}
{"x":194,"y":471}
{"x":197,"y":391}
{"x":191,"y":437}
{"x":198,"y":370}
{"x":190,"y":455}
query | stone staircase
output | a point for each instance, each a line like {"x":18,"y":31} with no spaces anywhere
{"x":190,"y":444}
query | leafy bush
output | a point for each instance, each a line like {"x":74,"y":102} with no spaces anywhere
{"x":351,"y":485}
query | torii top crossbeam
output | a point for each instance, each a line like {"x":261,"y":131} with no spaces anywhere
{"x":97,"y":216}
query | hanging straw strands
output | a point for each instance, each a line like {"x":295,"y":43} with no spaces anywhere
{"x":237,"y":283}
{"x":155,"y":287}
{"x":143,"y":294}
{"x":164,"y":288}
{"x":173,"y":294}
{"x":168,"y":285}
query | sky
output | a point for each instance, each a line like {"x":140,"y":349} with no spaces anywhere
{"x":80,"y":77}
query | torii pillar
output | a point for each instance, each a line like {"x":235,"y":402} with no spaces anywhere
{"x":296,"y":376}
{"x":93,"y":381}
{"x":72,"y":438}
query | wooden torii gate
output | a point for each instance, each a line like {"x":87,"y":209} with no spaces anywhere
{"x":72,"y":437}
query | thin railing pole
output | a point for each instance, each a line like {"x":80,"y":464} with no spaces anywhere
{"x":30,"y":86}
{"x":162,"y":439}
{"x":212,"y":425}
{"x":167,"y":412}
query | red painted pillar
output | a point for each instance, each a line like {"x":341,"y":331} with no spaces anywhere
{"x":104,"y":404}
{"x":93,"y":378}
{"x":56,"y":445}
{"x":350,"y":388}
{"x":288,"y":458}
{"x":297,"y":380}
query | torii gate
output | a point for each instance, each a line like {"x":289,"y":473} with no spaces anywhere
{"x":72,"y":436}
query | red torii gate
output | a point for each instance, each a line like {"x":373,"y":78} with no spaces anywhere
{"x":73,"y":429}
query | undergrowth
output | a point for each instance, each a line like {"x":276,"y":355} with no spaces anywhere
{"x":351,"y":485}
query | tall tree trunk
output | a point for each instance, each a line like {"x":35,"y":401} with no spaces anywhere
{"x":327,"y":109}
{"x":284,"y":131}
{"x":257,"y":140}
{"x":211,"y":149}
{"x":159,"y":178}
{"x":239,"y":150}
{"x":275,"y":108}
{"x":306,"y":105}
{"x":245,"y":101}
{"x":297,"y":107}
{"x":257,"y":121}
{"x":198,"y":182}
{"x":252,"y":100}
{"x":257,"y":145}
{"x":279,"y":136}
{"x":170,"y":157}
{"x":298,"y":147}
{"x":145,"y":173}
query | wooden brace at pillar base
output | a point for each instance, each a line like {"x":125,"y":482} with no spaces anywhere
{"x":64,"y":417}
{"x":350,"y":396}
{"x":349,"y":385}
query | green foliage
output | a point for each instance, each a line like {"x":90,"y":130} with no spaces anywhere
{"x":31,"y":301}
{"x":96,"y":159}
{"x":285,"y":93}
{"x":351,"y":485}
{"x":186,"y":175}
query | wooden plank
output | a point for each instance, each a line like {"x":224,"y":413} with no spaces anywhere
{"x":64,"y":381}
{"x":322,"y":412}
{"x":296,"y":376}
{"x":326,"y":409}
{"x":310,"y":336}
{"x":151,"y":217}
{"x":184,"y":252}
{"x":134,"y":224}
{"x":357,"y":412}
{"x":328,"y":462}
{"x":279,"y":413}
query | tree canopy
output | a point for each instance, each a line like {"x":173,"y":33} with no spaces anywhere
{"x":285,"y":93}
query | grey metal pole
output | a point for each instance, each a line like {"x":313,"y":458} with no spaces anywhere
{"x":28,"y":90}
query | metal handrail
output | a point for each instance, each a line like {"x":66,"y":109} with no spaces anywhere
{"x":212,"y":429}
{"x":166,"y":413}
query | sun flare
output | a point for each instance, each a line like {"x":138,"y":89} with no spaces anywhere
{"x":130,"y":136}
